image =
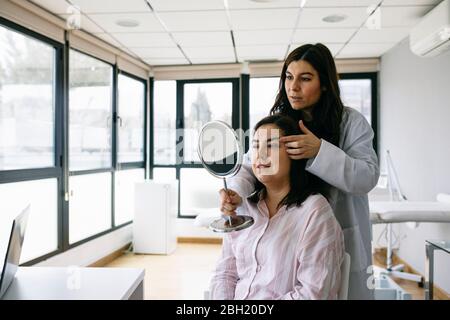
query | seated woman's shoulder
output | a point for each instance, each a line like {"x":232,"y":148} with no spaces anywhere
{"x":317,"y":202}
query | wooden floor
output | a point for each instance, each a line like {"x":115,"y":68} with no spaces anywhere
{"x":185,"y":274}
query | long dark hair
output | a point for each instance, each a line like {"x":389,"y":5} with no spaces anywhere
{"x":327,"y":113}
{"x":302,"y":183}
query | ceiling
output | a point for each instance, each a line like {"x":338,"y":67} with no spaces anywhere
{"x":182,"y":32}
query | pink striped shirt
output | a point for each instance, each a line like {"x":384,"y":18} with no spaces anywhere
{"x":296,"y":254}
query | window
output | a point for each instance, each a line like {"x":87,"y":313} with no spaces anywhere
{"x":27,"y":102}
{"x":357,"y":93}
{"x":42,"y":227}
{"x":90,"y":112}
{"x":164,"y":125}
{"x":89,"y":205}
{"x":131,"y":118}
{"x":263,"y":92}
{"x":181,"y":108}
{"x":38,"y":160}
{"x":204,"y":102}
{"x":198,"y":190}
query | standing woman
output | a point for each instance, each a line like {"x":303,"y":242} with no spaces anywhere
{"x":337,"y":141}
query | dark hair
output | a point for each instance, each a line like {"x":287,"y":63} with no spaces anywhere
{"x":302,"y":183}
{"x":327,"y":113}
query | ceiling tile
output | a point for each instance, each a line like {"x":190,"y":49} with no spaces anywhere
{"x":366,"y":50}
{"x":264,"y":52}
{"x":165,"y":61}
{"x":312,"y":17}
{"x":163,"y":53}
{"x":87,"y":24}
{"x":410,"y":2}
{"x":263,"y":19}
{"x":247,"y":4}
{"x":402,"y":16}
{"x":333,"y":47}
{"x":55,"y":6}
{"x":212,"y":60}
{"x":195,"y":21}
{"x":341,"y":3}
{"x":146,"y":39}
{"x":108,"y":6}
{"x":209,"y":52}
{"x":323,"y":35}
{"x":257,"y":37}
{"x":387,"y":35}
{"x":195,"y":39}
{"x":148,"y":22}
{"x":108,"y":38}
{"x":183,"y":5}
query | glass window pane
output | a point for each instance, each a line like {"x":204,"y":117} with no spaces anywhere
{"x":164,"y":174}
{"x":204,"y":102}
{"x":124,"y":191}
{"x":357,"y":94}
{"x":89,"y":205}
{"x":27,"y":112}
{"x":90,"y":112}
{"x":263,"y":92}
{"x":164,"y":126}
{"x":198,"y":190}
{"x":41,"y":236}
{"x":131,"y":122}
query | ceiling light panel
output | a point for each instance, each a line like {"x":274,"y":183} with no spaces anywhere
{"x":312,"y":17}
{"x":147,"y":22}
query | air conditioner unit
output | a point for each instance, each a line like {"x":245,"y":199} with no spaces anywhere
{"x":431,"y":36}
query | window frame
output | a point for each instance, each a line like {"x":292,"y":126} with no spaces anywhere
{"x":235,"y":119}
{"x":373,"y":77}
{"x":60,"y":170}
{"x":55,"y":171}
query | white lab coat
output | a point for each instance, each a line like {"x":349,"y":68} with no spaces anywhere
{"x":352,"y":171}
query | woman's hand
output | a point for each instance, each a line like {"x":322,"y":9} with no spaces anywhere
{"x":302,"y":146}
{"x":229,"y":201}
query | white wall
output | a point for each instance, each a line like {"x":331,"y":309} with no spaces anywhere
{"x":414,"y":125}
{"x":92,"y":251}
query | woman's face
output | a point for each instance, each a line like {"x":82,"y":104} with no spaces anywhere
{"x":270,"y":161}
{"x":302,"y":85}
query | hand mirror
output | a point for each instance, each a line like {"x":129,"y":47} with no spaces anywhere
{"x":221,"y":154}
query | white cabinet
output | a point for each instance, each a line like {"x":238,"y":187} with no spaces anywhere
{"x":156,"y":205}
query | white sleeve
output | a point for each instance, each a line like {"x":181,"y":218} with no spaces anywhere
{"x":352,"y":169}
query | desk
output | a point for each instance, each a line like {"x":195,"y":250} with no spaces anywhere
{"x":430,"y":246}
{"x":73,"y":283}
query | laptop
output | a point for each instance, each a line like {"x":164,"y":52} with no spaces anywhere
{"x":13,"y":251}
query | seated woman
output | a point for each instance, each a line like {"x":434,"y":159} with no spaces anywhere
{"x":295,"y":248}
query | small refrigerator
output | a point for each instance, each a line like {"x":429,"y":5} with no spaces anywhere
{"x":156,"y":206}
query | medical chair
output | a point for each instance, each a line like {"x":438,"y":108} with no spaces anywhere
{"x":343,"y":288}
